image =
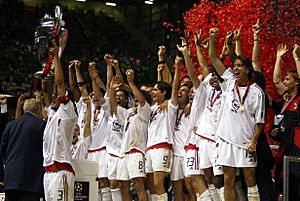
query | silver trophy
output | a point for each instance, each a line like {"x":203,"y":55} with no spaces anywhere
{"x":50,"y":32}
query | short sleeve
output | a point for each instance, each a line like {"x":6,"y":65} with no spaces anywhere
{"x":144,"y":112}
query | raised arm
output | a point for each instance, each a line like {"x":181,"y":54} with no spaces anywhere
{"x":100,"y":83}
{"x":201,"y":58}
{"x":296,"y":52}
{"x":188,"y":62}
{"x":47,"y":86}
{"x":136,"y":92}
{"x":281,"y":50}
{"x":115,"y":64}
{"x":108,"y":60}
{"x":227,"y":46}
{"x":256,"y":47}
{"x":160,"y":68}
{"x":175,"y":84}
{"x":73,"y":87}
{"x":94,"y":75}
{"x":161,"y":62}
{"x":237,"y":38}
{"x":80,"y":81}
{"x":213,"y":53}
{"x":163,"y":71}
{"x":88,"y":116}
{"x":19,"y":108}
{"x":58,"y":73}
{"x":115,"y":83}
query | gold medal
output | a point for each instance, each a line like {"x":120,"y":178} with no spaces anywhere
{"x":210,"y":109}
{"x":242,"y":98}
{"x":94,"y":124}
{"x":242,"y":107}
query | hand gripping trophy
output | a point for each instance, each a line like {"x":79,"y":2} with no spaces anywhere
{"x":51,"y":31}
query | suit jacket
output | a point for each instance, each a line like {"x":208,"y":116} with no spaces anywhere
{"x":4,"y":118}
{"x":22,"y":154}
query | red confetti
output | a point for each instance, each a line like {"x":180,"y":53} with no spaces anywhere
{"x":280,"y":22}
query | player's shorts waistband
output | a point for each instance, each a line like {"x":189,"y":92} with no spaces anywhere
{"x":99,"y":149}
{"x":161,"y":145}
{"x":56,"y":166}
{"x":134,"y":151}
{"x":191,"y":147}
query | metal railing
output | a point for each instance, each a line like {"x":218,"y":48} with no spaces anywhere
{"x":286,"y":173}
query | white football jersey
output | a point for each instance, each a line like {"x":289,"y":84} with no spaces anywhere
{"x":235,"y":125}
{"x":58,"y":135}
{"x":135,"y":129}
{"x":81,"y":109}
{"x":80,"y":148}
{"x":115,"y":131}
{"x":180,"y":133}
{"x":161,"y":125}
{"x":208,"y":123}
{"x":196,"y":111}
{"x":99,"y":128}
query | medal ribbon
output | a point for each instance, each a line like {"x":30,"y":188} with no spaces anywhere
{"x":286,"y":104}
{"x":212,"y":100}
{"x":178,"y":119}
{"x":153,"y":114}
{"x":128,"y":122}
{"x":242,"y":99}
{"x":96,"y":112}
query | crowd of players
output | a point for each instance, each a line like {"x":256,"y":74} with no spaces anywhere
{"x":201,"y":132}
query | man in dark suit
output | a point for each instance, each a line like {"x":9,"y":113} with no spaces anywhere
{"x":22,"y":153}
{"x":4,"y":118}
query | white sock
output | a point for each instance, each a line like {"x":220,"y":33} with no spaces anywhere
{"x":213,"y":192}
{"x":205,"y":196}
{"x":253,"y":194}
{"x":116,"y":194}
{"x":221,"y":194}
{"x":148,"y":195}
{"x":153,"y":197}
{"x":240,"y":195}
{"x":162,"y":197}
{"x":105,"y":194}
{"x":99,"y":195}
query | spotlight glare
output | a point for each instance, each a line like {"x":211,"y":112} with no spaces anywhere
{"x":149,"y":2}
{"x":110,"y":4}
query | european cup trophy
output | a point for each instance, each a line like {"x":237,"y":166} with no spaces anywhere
{"x":51,"y":31}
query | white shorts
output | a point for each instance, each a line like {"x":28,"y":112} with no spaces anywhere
{"x":112,"y":166}
{"x":59,"y":185}
{"x":234,"y":156}
{"x":178,"y":168}
{"x":131,"y":166}
{"x":159,"y":160}
{"x":208,"y":156}
{"x":101,"y":158}
{"x":192,"y":163}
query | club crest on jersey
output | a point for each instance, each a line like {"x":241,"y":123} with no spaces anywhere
{"x":117,"y":125}
{"x":235,"y":105}
{"x":295,"y":106}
